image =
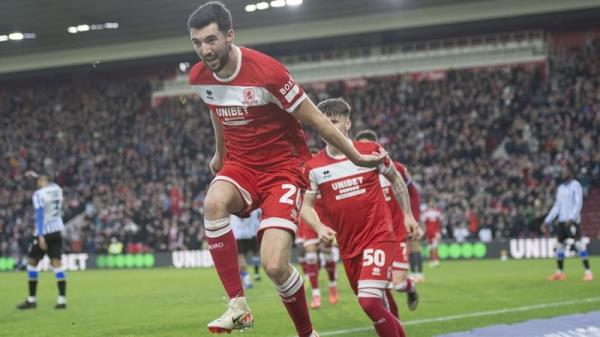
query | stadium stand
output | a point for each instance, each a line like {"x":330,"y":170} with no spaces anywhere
{"x":483,"y":142}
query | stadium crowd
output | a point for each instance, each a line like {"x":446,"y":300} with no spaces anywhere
{"x":485,"y":145}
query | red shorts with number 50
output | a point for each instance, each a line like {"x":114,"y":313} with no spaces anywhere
{"x":278,"y":193}
{"x":372,"y":269}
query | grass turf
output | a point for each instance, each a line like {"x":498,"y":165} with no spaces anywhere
{"x":170,"y":302}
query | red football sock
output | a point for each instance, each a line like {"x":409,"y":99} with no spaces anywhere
{"x":303,"y":265}
{"x":293,"y":297}
{"x":391,"y":302}
{"x":330,"y":267}
{"x":313,"y":275}
{"x":224,"y":252}
{"x":384,"y":322}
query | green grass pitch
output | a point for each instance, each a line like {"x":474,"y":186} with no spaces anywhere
{"x":179,"y":303}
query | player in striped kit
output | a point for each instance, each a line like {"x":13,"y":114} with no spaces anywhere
{"x":244,"y":230}
{"x":47,"y":202}
{"x":567,"y":208}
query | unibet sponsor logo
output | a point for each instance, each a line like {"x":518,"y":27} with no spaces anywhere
{"x":464,"y":250}
{"x":70,"y":262}
{"x":191,"y":259}
{"x":125,"y":261}
{"x":348,"y":188}
{"x":540,"y":248}
{"x":344,"y":185}
{"x":231,"y":111}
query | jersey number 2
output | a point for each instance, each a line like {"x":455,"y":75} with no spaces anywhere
{"x":291,"y":191}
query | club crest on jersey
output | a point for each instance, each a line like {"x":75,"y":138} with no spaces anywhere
{"x":249,"y":97}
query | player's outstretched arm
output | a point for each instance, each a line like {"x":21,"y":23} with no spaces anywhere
{"x":309,"y":114}
{"x":400,"y":191}
{"x":310,"y":216}
{"x":216,"y":163}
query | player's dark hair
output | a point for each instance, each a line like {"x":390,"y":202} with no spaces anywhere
{"x":334,"y":107}
{"x":212,"y":11}
{"x":367,"y":134}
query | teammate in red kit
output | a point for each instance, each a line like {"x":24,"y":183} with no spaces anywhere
{"x":432,"y":217}
{"x":400,"y":264}
{"x":312,"y":247}
{"x":260,"y":152}
{"x":356,"y":208}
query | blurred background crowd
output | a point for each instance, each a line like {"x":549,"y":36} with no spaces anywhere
{"x":486,"y":146}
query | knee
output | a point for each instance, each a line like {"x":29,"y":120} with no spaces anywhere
{"x":276,"y":269}
{"x":214,"y":207}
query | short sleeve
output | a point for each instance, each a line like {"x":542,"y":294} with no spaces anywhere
{"x":313,"y":186}
{"x":286,"y":92}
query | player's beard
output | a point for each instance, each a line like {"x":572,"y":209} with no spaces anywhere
{"x":222,"y":60}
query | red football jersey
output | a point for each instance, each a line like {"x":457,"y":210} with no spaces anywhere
{"x":432,"y":217}
{"x":352,"y":199}
{"x":395,"y":209}
{"x":253,"y":107}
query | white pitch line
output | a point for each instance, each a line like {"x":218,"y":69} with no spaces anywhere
{"x":470,"y":315}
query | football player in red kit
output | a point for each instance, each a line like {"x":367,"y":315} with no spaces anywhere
{"x":362,"y":223}
{"x":400,"y":279}
{"x":260,"y":152}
